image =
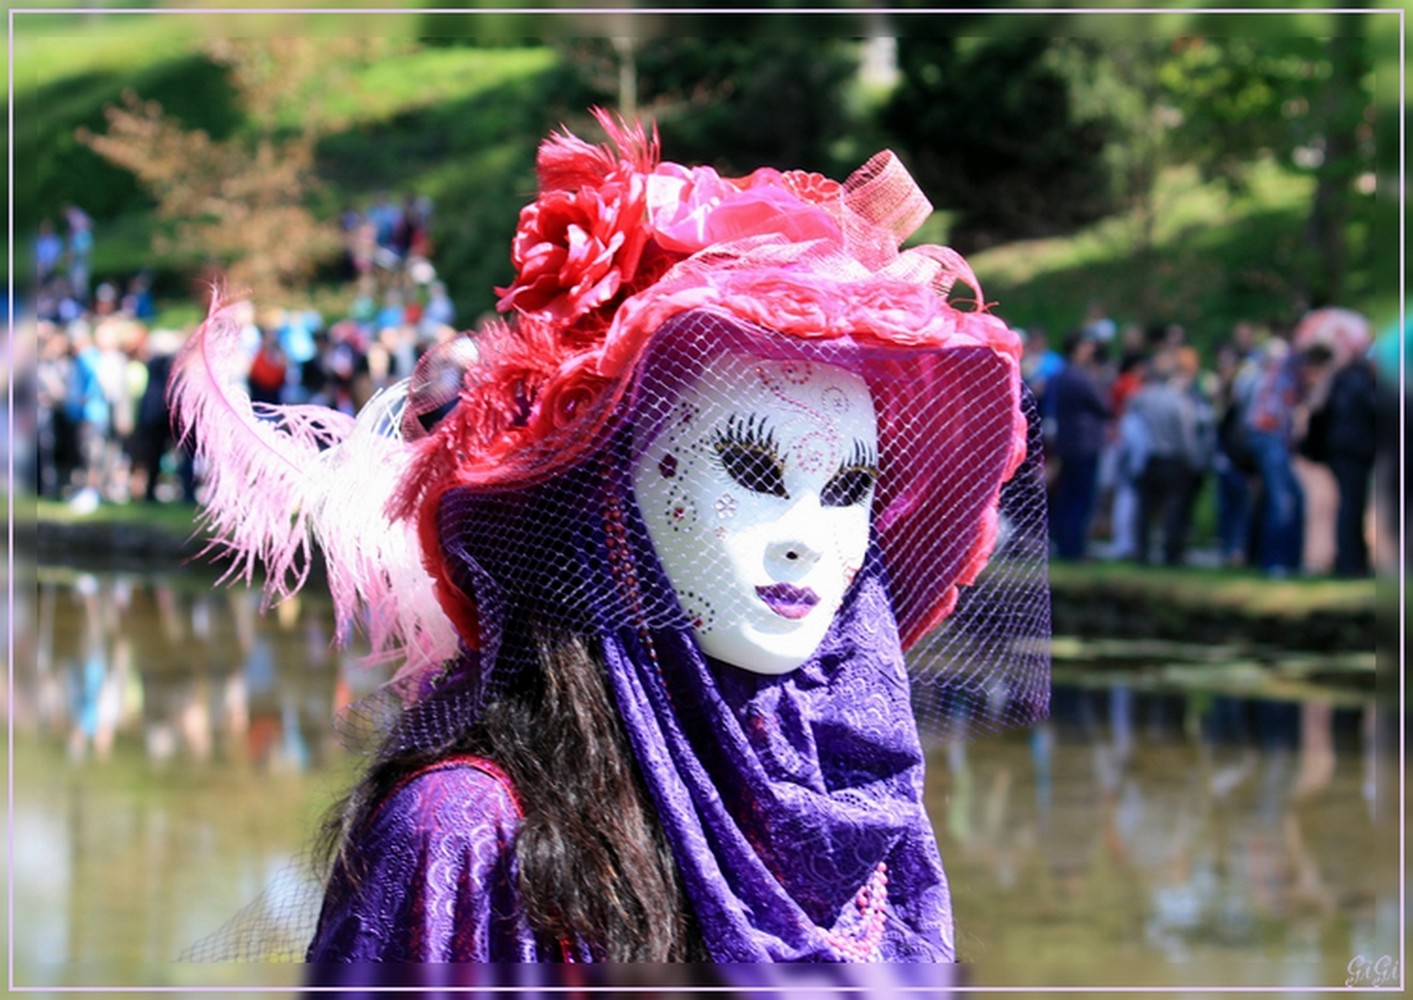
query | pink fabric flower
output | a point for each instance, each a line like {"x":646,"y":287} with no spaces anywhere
{"x":898,"y":313}
{"x":573,"y":250}
{"x":794,"y":304}
{"x":690,"y":209}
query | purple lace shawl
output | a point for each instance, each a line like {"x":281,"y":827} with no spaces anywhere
{"x":793,"y":804}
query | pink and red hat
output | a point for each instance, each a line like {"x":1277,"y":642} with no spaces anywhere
{"x":620,"y":246}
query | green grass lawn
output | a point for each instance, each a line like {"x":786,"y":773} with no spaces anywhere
{"x":457,"y":124}
{"x":177,"y":518}
{"x":1217,"y":258}
{"x":460,"y":124}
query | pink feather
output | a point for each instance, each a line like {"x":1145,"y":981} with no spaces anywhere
{"x":566,"y":162}
{"x":281,"y":479}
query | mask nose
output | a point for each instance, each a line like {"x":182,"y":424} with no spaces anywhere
{"x":792,"y":554}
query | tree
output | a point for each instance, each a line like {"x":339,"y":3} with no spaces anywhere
{"x":992,"y":133}
{"x":735,"y":102}
{"x":1031,"y":136}
{"x":1120,"y":81}
{"x":1305,"y":101}
{"x":240,"y":204}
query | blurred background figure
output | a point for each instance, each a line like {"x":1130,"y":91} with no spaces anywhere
{"x":79,"y":250}
{"x":1076,"y":399}
{"x":1168,"y":418}
{"x":439,"y":312}
{"x":153,"y":442}
{"x":1313,"y":367}
{"x":87,"y":411}
{"x":1269,"y":412}
{"x":1233,"y":461}
{"x":48,"y":253}
{"x":1390,"y":459}
{"x":1341,"y":429}
{"x":1198,"y":387}
{"x":268,"y":368}
{"x":1129,"y":450}
{"x":1039,"y":362}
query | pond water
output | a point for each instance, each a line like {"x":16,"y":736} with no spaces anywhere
{"x":1173,"y":824}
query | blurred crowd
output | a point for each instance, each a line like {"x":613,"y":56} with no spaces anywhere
{"x":386,"y":236}
{"x":1275,"y":432}
{"x":102,"y":428}
{"x":1268,"y":445}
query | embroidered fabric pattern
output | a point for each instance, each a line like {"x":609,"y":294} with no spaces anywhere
{"x":438,"y":875}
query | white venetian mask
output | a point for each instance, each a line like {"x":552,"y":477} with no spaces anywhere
{"x":756,"y":493}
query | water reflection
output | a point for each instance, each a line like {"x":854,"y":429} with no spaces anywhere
{"x":1182,"y":839}
{"x":183,"y":670}
{"x":174,"y":751}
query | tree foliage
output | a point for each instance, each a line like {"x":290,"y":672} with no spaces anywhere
{"x":251,"y":144}
{"x":737,"y":103}
{"x":1033,"y":136}
{"x":1305,"y":101}
{"x":992,"y":132}
{"x":189,"y":87}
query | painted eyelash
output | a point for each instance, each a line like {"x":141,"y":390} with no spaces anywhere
{"x":753,"y":433}
{"x":864,"y":457}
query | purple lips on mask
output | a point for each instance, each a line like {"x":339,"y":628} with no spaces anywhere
{"x":788,"y":600}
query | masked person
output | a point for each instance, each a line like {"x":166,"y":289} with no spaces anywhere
{"x":650,"y":551}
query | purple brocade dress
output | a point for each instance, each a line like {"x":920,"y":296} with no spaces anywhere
{"x":438,"y":878}
{"x":794,"y":804}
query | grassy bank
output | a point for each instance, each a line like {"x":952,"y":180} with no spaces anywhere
{"x":1217,"y":257}
{"x":1092,"y":600}
{"x":1235,"y":589}
{"x":1213,"y":606}
{"x":457,"y":125}
{"x":177,"y":519}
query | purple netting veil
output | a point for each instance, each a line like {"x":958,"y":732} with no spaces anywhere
{"x":543,"y":547}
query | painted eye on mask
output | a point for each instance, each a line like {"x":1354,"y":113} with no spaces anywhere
{"x":751,"y":456}
{"x":853,"y":483}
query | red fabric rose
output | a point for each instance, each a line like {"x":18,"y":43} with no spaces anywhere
{"x":573,"y":250}
{"x":572,"y":393}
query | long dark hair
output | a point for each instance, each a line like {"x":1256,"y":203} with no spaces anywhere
{"x":594,"y":864}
